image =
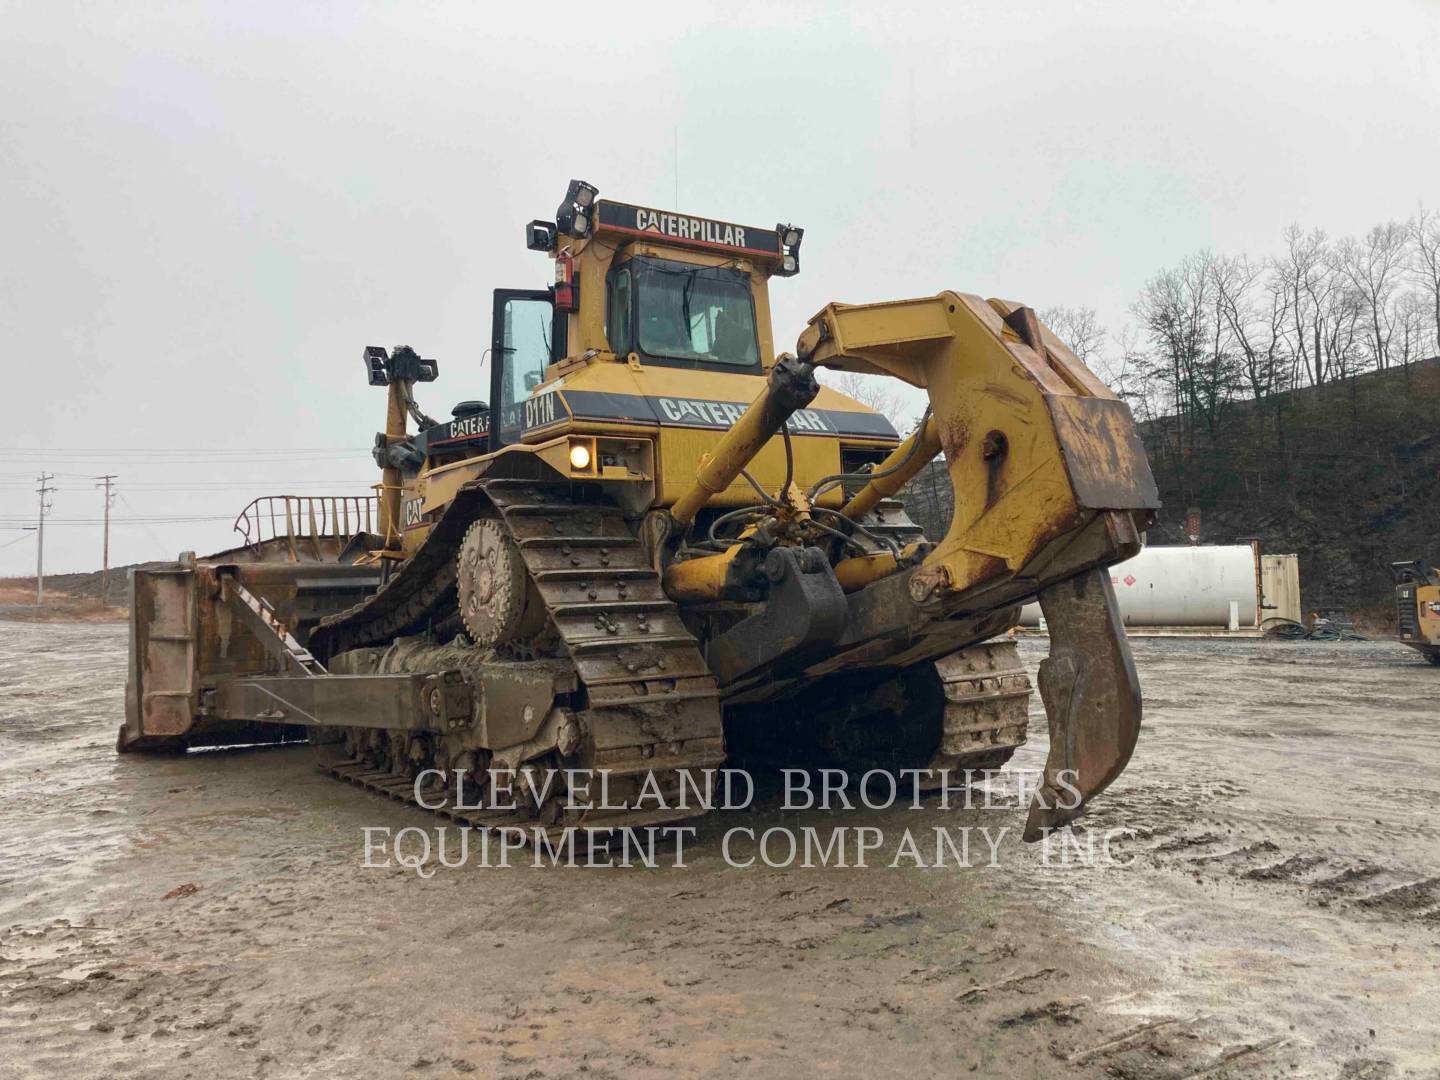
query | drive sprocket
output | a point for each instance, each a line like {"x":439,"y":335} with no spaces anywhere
{"x":491,"y":580}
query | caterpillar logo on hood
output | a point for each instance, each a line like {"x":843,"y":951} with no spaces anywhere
{"x":700,"y":413}
{"x":723,"y":414}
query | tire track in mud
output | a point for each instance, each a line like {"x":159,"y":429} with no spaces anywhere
{"x":1356,"y":886}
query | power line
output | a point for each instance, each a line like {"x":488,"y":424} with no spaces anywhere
{"x":184,"y":455}
{"x":47,"y":450}
{"x":215,"y":485}
{"x":145,"y":525}
{"x":87,"y":465}
{"x":12,"y":522}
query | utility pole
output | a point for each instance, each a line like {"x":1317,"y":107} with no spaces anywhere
{"x":43,"y":490}
{"x":107,"y":481}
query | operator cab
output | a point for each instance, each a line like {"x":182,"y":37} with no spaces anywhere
{"x":644,"y":286}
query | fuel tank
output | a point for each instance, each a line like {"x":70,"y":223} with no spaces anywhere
{"x":1182,"y":586}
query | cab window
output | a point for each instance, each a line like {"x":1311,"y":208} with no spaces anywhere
{"x":617,"y":312}
{"x":699,"y":314}
{"x":521,"y":345}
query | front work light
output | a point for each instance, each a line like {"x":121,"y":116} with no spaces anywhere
{"x":580,"y":457}
{"x":789,"y":237}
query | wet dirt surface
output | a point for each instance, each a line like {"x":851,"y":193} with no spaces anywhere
{"x":1278,"y":913}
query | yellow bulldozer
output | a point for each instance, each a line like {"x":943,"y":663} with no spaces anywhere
{"x":1417,"y":601}
{"x":659,"y":545}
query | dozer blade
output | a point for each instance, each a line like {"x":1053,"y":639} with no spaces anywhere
{"x":1092,"y":699}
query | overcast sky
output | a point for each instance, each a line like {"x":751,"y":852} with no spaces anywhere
{"x":207,"y":210}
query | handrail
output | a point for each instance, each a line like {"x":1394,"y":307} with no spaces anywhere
{"x":306,"y":518}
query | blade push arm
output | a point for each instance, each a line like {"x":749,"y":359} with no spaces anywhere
{"x":790,"y":386}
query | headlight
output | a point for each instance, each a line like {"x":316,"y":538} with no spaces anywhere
{"x":579,"y":457}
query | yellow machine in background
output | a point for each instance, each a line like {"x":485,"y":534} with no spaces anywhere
{"x":1417,"y":600}
{"x":657,"y":538}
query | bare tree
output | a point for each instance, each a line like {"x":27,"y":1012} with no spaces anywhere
{"x":1178,"y":314}
{"x":1079,"y":328}
{"x":1411,"y":316}
{"x":1344,"y":338}
{"x":1252,"y":303}
{"x":1115,"y":360}
{"x":873,"y":392}
{"x":1373,"y":268}
{"x":1125,"y":375}
{"x":1306,"y":273}
{"x":1425,"y":263}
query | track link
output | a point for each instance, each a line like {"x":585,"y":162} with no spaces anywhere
{"x":987,"y":698}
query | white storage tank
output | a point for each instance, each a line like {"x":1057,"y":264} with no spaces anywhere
{"x":1182,"y":586}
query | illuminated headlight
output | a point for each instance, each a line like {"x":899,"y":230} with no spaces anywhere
{"x":579,"y":457}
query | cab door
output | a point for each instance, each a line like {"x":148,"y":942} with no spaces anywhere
{"x":522,"y":345}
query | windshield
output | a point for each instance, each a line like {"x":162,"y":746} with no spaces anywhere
{"x":701,"y":313}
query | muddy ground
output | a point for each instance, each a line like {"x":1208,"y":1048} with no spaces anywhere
{"x":17,"y":603}
{"x":1278,"y":912}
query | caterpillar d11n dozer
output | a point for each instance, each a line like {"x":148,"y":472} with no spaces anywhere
{"x":658,"y":540}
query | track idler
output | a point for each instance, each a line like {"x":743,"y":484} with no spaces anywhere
{"x":1092,"y":699}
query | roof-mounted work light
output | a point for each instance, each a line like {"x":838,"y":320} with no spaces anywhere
{"x":406,"y":363}
{"x":375,"y":359}
{"x":789,"y":237}
{"x":574,"y":214}
{"x":403,"y":365}
{"x":540,"y":236}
